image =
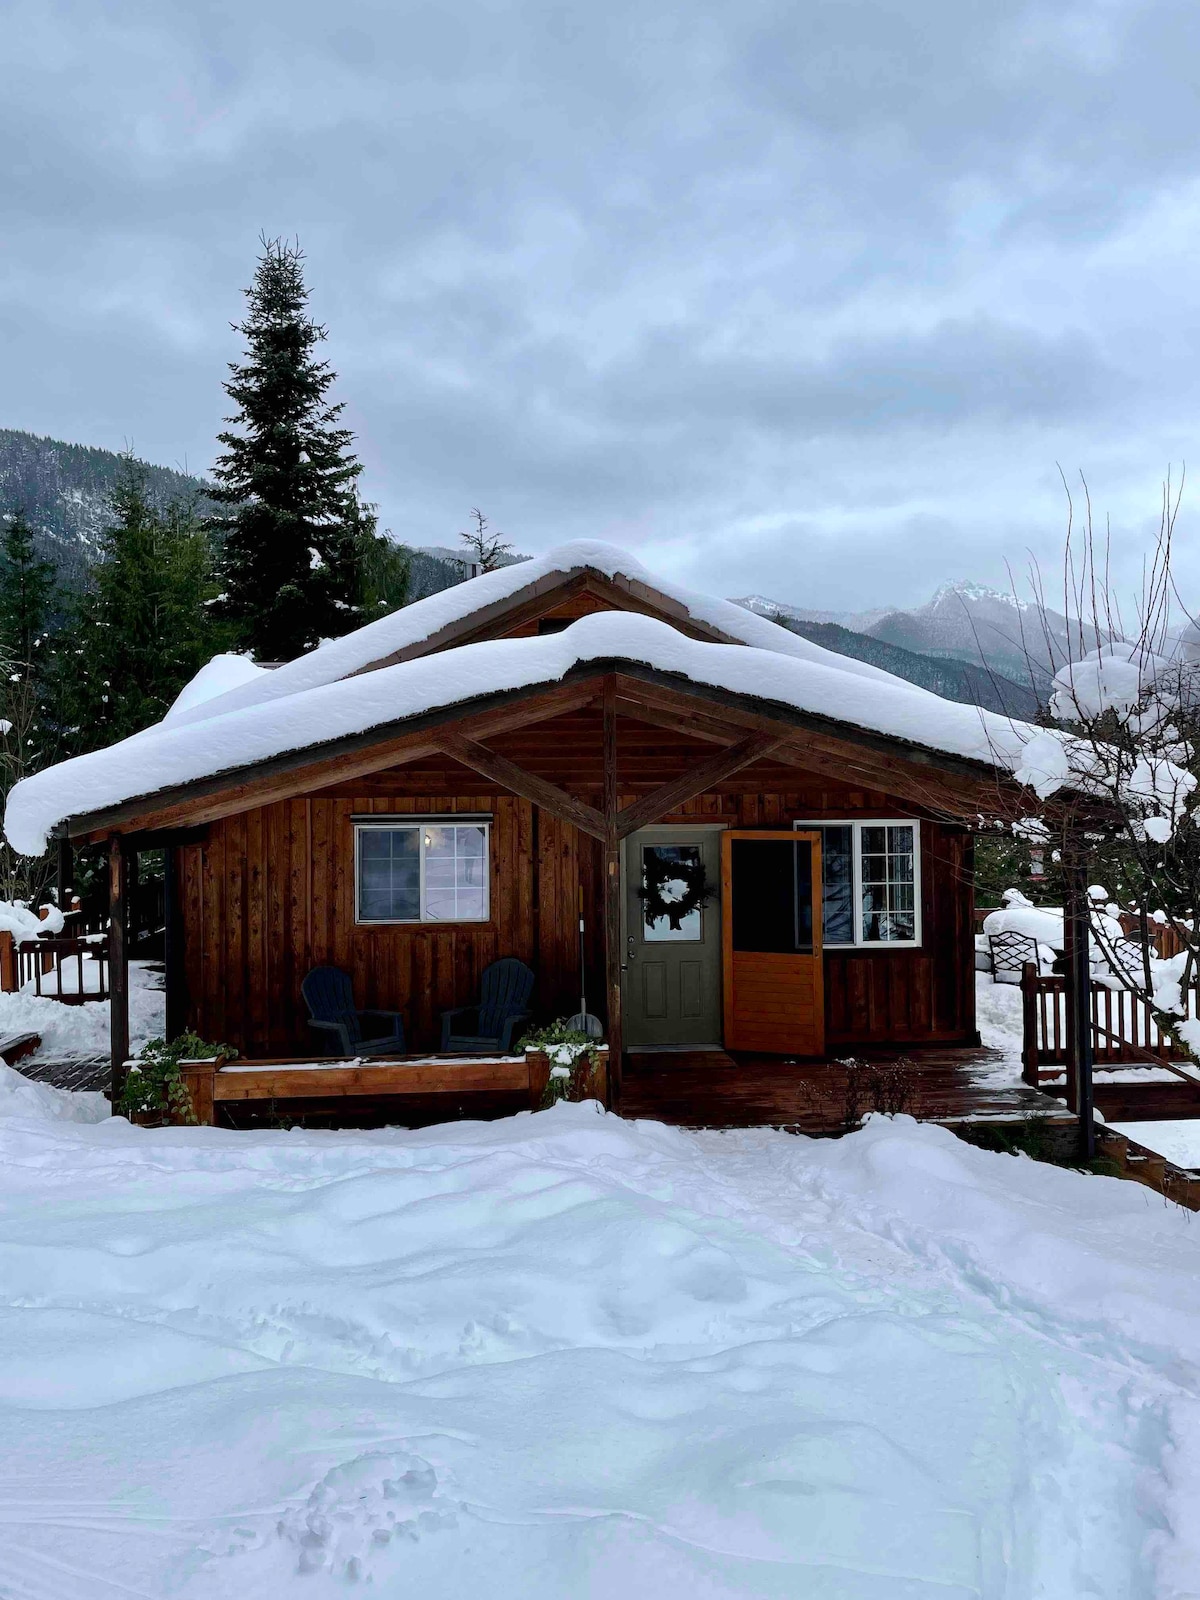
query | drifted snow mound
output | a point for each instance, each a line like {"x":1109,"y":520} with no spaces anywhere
{"x":216,"y":677}
{"x":21,"y":1098}
{"x":569,"y":1355}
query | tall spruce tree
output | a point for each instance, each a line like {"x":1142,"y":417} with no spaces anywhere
{"x":144,"y":626}
{"x":290,"y":541}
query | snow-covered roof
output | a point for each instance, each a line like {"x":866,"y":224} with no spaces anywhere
{"x":255,"y":724}
{"x":412,"y":625}
{"x":216,"y":677}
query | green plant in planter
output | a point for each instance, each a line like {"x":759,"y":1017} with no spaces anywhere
{"x":572,"y":1056}
{"x":154,"y":1083}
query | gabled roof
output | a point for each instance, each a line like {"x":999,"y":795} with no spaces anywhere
{"x":420,"y":626}
{"x":183,"y":749}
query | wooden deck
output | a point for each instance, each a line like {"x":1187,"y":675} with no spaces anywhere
{"x":711,"y":1089}
{"x":692,"y":1088}
{"x":695,"y":1088}
{"x":93,"y":1072}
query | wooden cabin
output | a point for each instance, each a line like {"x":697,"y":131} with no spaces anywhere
{"x":768,"y":845}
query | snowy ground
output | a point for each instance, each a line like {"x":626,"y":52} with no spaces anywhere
{"x":75,"y":1033}
{"x":1178,"y":1141}
{"x":998,"y":1017}
{"x":564,"y":1355}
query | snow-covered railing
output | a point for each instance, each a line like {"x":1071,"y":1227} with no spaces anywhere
{"x":69,"y":969}
{"x":1125,"y":1031}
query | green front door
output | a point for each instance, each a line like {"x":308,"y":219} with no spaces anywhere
{"x":672,"y":986}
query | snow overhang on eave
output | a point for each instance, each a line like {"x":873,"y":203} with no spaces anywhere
{"x":300,"y":767}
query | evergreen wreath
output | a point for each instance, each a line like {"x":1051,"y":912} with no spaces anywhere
{"x":657,"y":872}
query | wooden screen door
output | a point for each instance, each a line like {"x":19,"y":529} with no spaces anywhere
{"x":771,"y":942}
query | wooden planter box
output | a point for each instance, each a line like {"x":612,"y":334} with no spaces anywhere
{"x":211,"y":1081}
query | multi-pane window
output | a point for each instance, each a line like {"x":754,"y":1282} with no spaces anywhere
{"x":871,"y":882}
{"x":422,"y":871}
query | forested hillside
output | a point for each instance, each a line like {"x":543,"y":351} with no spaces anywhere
{"x":65,"y":492}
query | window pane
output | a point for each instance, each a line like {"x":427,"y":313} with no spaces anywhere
{"x":455,"y":872}
{"x":389,"y":874}
{"x":661,"y":858}
{"x":889,"y":883}
{"x":837,"y":878}
{"x":470,"y":904}
{"x":874,"y":869}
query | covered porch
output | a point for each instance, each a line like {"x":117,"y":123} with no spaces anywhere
{"x":569,"y":787}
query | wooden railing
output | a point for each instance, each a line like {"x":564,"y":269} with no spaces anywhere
{"x":62,"y":968}
{"x":1124,"y":1029}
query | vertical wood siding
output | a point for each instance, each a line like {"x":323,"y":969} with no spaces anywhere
{"x":271,"y":894}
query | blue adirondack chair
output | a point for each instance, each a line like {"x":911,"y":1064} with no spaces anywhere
{"x":339,"y":1026}
{"x":494,"y":1025}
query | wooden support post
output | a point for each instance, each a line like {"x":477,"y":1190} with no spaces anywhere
{"x":1079,"y":1002}
{"x":66,"y":872}
{"x":133,"y":909}
{"x":173,"y":962}
{"x":599,"y":1075}
{"x":118,"y":964}
{"x":1029,"y":1023}
{"x":537,"y":1063}
{"x":200,"y":1081}
{"x":613,"y":891}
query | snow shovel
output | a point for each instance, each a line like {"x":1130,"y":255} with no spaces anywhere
{"x":583,"y":1021}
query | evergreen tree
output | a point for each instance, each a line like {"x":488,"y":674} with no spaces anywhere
{"x":29,"y":730}
{"x":291,"y":545}
{"x":144,"y":626}
{"x":384,"y":570}
{"x":27,"y":593}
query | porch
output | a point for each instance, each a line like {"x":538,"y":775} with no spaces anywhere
{"x":719,"y":1089}
{"x":709,"y":1088}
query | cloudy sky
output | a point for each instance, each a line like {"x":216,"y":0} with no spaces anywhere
{"x":802,"y":296}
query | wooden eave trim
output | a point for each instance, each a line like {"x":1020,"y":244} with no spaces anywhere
{"x":830,"y":747}
{"x":761,"y":713}
{"x":298,"y":772}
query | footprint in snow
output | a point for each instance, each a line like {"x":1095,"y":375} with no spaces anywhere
{"x":361,"y":1506}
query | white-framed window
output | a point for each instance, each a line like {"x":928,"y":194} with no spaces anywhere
{"x":871,"y":882}
{"x":422,"y":869}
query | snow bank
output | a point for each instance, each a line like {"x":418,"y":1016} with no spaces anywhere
{"x":80,"y":1032}
{"x":1179,"y":1142}
{"x":998,"y":1018}
{"x":178,"y":751}
{"x":1045,"y":924}
{"x":19,"y":1097}
{"x":563,"y":1354}
{"x":17,"y":918}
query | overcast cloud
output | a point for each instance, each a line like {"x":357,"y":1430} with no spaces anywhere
{"x":796,"y":297}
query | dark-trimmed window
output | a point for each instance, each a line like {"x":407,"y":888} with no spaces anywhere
{"x":422,"y":869}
